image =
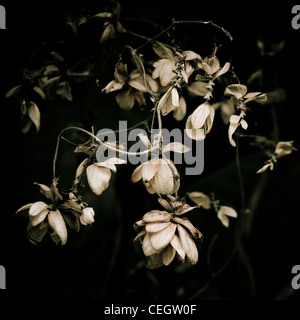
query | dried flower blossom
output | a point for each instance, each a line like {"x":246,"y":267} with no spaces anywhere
{"x":136,"y":84}
{"x":165,"y":235}
{"x":51,"y":218}
{"x":98,"y":174}
{"x":159,"y":176}
{"x":282,"y":149}
{"x":238,"y":93}
{"x":173,"y":67}
{"x":201,"y":118}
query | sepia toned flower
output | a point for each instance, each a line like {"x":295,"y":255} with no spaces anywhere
{"x":224,"y":212}
{"x":173,"y":67}
{"x":211,"y":66}
{"x":238,"y":92}
{"x":98,"y":174}
{"x":135,"y":86}
{"x":201,"y":199}
{"x":201,"y":118}
{"x":165,"y":235}
{"x":51,"y":218}
{"x":158,"y":175}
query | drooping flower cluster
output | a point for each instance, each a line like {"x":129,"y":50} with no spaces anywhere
{"x":52,"y":217}
{"x":166,"y":234}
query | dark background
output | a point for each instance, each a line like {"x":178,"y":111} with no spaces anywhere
{"x":101,"y":262}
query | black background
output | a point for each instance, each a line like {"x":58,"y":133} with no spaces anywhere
{"x":101,"y":262}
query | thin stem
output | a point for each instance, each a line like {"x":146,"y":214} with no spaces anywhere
{"x":240,"y":177}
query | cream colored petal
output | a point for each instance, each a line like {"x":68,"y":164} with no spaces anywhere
{"x":113,"y":86}
{"x":156,"y":216}
{"x":87,"y":216}
{"x":188,"y":245}
{"x":187,"y":224}
{"x":137,"y":173}
{"x":37,"y":207}
{"x":209,"y":120}
{"x":176,"y":244}
{"x":24,"y":208}
{"x":262,"y":98}
{"x":156,"y":226}
{"x":147,"y":246}
{"x":139,"y":236}
{"x":37,"y":219}
{"x":163,"y":202}
{"x":234,"y":119}
{"x":231,"y":130}
{"x":175,"y":147}
{"x":45,"y":190}
{"x":167,"y":74}
{"x":191,"y":55}
{"x":180,"y":111}
{"x":265,"y":167}
{"x":244,"y":124}
{"x":200,"y":199}
{"x":200,"y":115}
{"x":223,"y":218}
{"x":98,"y":178}
{"x":34,"y":114}
{"x":138,"y":83}
{"x":222,"y":71}
{"x":149,"y":170}
{"x":211,"y":64}
{"x":165,"y":104}
{"x":81,"y":168}
{"x":228,"y":211}
{"x":175,"y":97}
{"x":57,"y":223}
{"x":161,"y":239}
{"x":158,"y":65}
{"x":193,"y":133}
{"x":236,"y":90}
{"x":168,"y":254}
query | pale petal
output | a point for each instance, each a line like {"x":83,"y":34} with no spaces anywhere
{"x":191,"y":55}
{"x":244,"y":124}
{"x":168,"y":254}
{"x":186,"y":223}
{"x":149,"y":170}
{"x":223,"y":70}
{"x":224,"y":219}
{"x":147,"y":246}
{"x":113,"y":86}
{"x":262,"y":98}
{"x":137,"y":173}
{"x":231,"y":131}
{"x":209,"y":120}
{"x":265,"y":167}
{"x":175,"y":97}
{"x":236,"y":90}
{"x":180,"y":111}
{"x":45,"y":190}
{"x":36,"y":234}
{"x":161,"y":239}
{"x":98,"y":178}
{"x":167,"y":74}
{"x":195,"y":134}
{"x":139,"y":236}
{"x":188,"y":245}
{"x":156,"y":226}
{"x":37,"y":219}
{"x":25,"y":208}
{"x":34,"y":114}
{"x":200,"y":199}
{"x":176,"y":147}
{"x":199,"y":115}
{"x":234,"y":119}
{"x":57,"y":223}
{"x":37,"y":207}
{"x":228,"y":211}
{"x":81,"y":168}
{"x":87,"y":216}
{"x":156,"y":216}
{"x":176,"y":244}
{"x":211,"y":64}
{"x":165,"y":104}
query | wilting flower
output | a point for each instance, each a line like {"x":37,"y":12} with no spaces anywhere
{"x":211,"y":66}
{"x":238,"y":93}
{"x":206,"y":202}
{"x":169,"y":101}
{"x":159,"y":176}
{"x":51,"y":218}
{"x":201,"y":118}
{"x":166,"y":235}
{"x":136,"y":84}
{"x":98,"y":174}
{"x":282,"y":149}
{"x":173,"y":67}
